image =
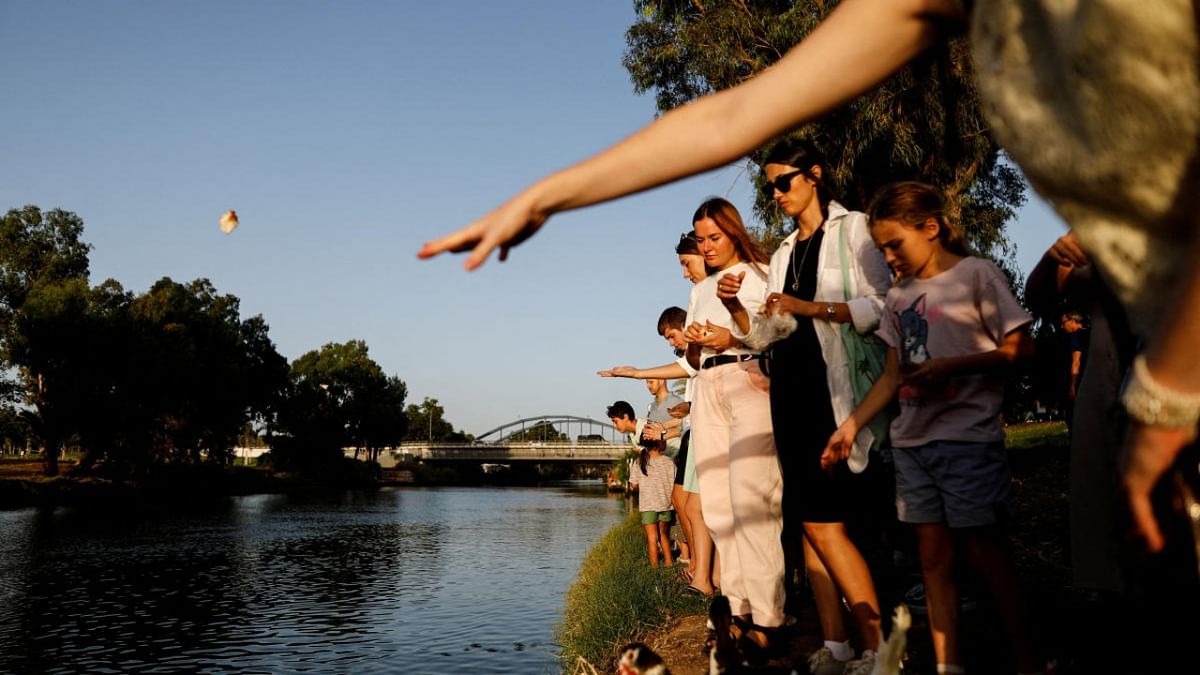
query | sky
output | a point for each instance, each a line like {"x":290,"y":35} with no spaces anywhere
{"x":345,"y":135}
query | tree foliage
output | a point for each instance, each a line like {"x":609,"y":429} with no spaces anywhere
{"x":540,"y":431}
{"x":337,"y":397}
{"x":427,"y":422}
{"x":173,"y":374}
{"x":923,"y":123}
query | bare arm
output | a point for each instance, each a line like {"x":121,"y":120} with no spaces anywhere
{"x":1172,"y":363}
{"x":1050,"y":276}
{"x":669,"y":371}
{"x":856,"y":47}
{"x":876,"y":400}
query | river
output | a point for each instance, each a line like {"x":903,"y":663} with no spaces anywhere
{"x":403,"y":580}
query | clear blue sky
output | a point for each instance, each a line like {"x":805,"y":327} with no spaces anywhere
{"x":345,"y":135}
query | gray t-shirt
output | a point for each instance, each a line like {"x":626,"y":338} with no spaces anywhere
{"x":654,"y":486}
{"x":968,"y":309}
{"x":660,"y":413}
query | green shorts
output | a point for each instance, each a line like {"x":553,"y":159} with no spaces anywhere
{"x":652,"y":517}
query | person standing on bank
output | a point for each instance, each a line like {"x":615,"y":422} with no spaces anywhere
{"x":827,"y":258}
{"x":731,"y":424}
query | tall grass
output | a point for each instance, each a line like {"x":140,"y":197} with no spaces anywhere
{"x":618,"y":598}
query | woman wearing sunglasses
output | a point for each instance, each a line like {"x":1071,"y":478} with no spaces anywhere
{"x":811,"y":391}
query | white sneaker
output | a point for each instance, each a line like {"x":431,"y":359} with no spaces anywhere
{"x":862,"y":665}
{"x":822,"y":662}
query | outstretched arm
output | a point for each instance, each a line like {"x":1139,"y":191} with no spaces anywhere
{"x":669,"y":371}
{"x":856,"y":47}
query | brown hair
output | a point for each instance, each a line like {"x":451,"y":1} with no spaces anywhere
{"x":912,"y":203}
{"x":729,"y":221}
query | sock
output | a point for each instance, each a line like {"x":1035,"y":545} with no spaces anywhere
{"x":950,"y":669}
{"x":841,"y":650}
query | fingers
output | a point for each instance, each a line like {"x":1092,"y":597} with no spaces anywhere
{"x":456,"y":242}
{"x":1144,"y":523}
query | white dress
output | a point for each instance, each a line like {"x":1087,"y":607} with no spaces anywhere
{"x":1098,"y":101}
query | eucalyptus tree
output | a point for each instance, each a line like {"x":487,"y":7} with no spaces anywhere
{"x":337,"y":397}
{"x":923,"y":123}
{"x":200,"y":371}
{"x":39,"y":251}
{"x":427,"y":422}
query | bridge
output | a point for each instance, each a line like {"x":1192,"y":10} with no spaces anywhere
{"x":545,"y":439}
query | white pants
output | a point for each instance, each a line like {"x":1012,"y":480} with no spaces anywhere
{"x":741,"y":486}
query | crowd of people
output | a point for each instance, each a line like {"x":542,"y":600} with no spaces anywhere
{"x":878,"y":334}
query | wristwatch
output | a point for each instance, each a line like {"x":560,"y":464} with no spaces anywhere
{"x":830,"y":312}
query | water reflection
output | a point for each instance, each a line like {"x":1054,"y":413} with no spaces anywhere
{"x":416,"y":581}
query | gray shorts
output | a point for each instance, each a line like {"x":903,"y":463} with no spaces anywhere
{"x":960,"y":483}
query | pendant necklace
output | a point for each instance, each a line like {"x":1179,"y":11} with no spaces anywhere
{"x":795,"y":267}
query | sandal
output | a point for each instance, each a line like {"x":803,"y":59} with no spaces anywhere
{"x":760,"y":644}
{"x":692,"y":590}
{"x":684,"y":576}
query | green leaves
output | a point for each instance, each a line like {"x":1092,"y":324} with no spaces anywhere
{"x":923,"y":123}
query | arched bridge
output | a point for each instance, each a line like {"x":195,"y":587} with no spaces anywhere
{"x":548,"y":438}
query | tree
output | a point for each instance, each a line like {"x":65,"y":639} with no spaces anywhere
{"x":337,"y":397}
{"x":38,"y":251}
{"x":543,"y":431}
{"x":426,"y":422}
{"x":922,"y":123}
{"x":173,"y":374}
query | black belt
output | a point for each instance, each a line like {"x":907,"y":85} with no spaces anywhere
{"x":713,"y":361}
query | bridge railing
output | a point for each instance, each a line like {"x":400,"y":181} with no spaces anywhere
{"x":525,"y":450}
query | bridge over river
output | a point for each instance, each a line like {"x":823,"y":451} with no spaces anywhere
{"x":545,"y":439}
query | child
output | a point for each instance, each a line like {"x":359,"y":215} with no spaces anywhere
{"x":654,"y":475}
{"x":953,"y":327}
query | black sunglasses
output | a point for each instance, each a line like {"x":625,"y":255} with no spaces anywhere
{"x":782,"y":183}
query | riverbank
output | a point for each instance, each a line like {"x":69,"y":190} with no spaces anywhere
{"x":1068,"y":622}
{"x":22,"y":483}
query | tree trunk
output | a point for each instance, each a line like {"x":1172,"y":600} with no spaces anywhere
{"x":50,"y":454}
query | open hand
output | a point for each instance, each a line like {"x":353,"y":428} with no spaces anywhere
{"x":507,"y":226}
{"x":1149,"y":453}
{"x":618,"y":371}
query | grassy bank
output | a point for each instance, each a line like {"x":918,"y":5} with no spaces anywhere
{"x":618,"y":598}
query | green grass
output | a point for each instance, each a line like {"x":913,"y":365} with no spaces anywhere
{"x":618,"y":598}
{"x":1052,"y":435}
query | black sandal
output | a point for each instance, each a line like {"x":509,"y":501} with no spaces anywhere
{"x":773,"y":645}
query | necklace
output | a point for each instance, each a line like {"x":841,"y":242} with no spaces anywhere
{"x":795,"y":267}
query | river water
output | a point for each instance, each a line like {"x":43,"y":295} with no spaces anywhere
{"x":405,"y":580}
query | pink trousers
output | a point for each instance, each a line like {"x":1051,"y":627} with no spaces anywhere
{"x":741,"y":486}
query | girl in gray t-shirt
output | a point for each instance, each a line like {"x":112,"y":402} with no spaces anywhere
{"x":953,"y":328}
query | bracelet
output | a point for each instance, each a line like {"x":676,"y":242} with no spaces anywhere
{"x":1154,"y":405}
